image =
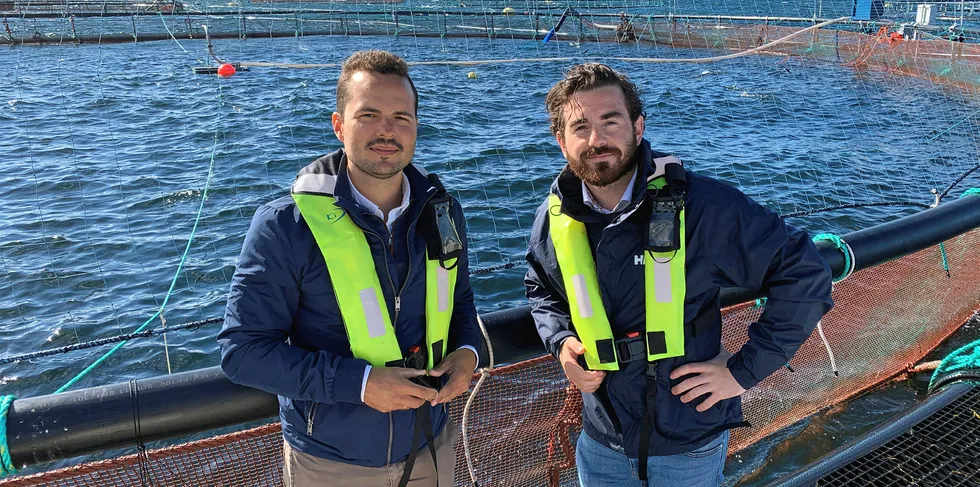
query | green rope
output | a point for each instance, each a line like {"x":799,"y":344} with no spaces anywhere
{"x":951,"y":127}
{"x":965,"y":357}
{"x":942,"y":245}
{"x":759,"y":303}
{"x":840,"y":245}
{"x":173,"y":283}
{"x":942,"y":251}
{"x":6,"y":464}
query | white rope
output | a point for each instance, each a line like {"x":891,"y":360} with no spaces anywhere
{"x":166,"y":347}
{"x":476,"y":62}
{"x":484,"y":373}
{"x":826,"y":344}
{"x":164,"y":21}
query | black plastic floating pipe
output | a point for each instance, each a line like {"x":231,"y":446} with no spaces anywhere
{"x":45,"y":428}
{"x":55,"y":426}
{"x":75,"y":423}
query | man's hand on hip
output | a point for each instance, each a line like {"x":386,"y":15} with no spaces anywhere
{"x":712,"y":378}
{"x":389,"y":389}
{"x":586,"y":380}
{"x":460,"y":366}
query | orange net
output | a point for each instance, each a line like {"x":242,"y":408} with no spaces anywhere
{"x":940,"y":61}
{"x":885,"y":319}
{"x":524,"y":421}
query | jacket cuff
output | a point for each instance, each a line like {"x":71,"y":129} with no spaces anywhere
{"x":741,"y":373}
{"x":367,"y":373}
{"x":558,"y":339}
{"x":348,"y":380}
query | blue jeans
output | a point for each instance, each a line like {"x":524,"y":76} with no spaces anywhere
{"x":600,"y":466}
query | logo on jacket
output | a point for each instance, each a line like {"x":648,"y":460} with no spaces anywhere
{"x":336,"y":215}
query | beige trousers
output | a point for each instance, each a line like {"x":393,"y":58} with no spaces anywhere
{"x":302,"y":470}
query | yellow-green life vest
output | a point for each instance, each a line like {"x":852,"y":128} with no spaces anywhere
{"x":665,"y":284}
{"x":357,"y":286}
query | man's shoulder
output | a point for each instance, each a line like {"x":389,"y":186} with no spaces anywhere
{"x":283,"y":204}
{"x":722,"y":203}
{"x":540,"y":231}
{"x":280,"y":214}
{"x":700,"y":182}
{"x":713,"y":191}
{"x":542,"y":210}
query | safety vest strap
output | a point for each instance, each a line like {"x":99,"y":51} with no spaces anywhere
{"x":360,"y":298}
{"x":440,"y":289}
{"x":354,"y":277}
{"x":666,"y":287}
{"x":582,"y":288}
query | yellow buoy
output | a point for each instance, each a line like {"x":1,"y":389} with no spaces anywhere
{"x":472,"y":75}
{"x":509,"y":10}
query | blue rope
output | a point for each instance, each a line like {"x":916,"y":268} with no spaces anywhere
{"x":6,"y":464}
{"x":173,"y":283}
{"x":970,"y":191}
{"x":848,"y":265}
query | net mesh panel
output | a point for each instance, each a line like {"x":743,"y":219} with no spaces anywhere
{"x":888,"y":317}
{"x":526,"y":418}
{"x":944,"y":449}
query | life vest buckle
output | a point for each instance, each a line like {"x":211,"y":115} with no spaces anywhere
{"x":417,"y":359}
{"x":631,"y":348}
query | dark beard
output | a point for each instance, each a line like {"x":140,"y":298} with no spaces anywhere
{"x":604,"y":174}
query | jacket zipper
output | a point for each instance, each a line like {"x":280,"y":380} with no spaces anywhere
{"x":391,"y":435}
{"x":391,"y":282}
{"x":309,"y":421}
{"x":391,"y":248}
{"x":620,"y":219}
{"x":398,"y":304}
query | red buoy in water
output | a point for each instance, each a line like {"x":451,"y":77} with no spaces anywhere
{"x":226,"y":70}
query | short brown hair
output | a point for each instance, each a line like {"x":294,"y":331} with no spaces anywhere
{"x":585,"y":77}
{"x":380,"y":62}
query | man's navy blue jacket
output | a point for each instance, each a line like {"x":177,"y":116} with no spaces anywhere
{"x":283,"y":332}
{"x":731,"y":242}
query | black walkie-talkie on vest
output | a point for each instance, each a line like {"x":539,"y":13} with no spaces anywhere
{"x":666,"y":203}
{"x":438,"y":227}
